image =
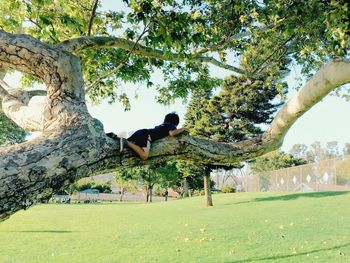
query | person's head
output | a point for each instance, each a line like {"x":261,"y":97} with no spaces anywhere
{"x":172,"y":118}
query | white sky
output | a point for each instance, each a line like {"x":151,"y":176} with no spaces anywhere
{"x":326,"y":121}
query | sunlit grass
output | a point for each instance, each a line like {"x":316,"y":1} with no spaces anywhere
{"x":247,"y":227}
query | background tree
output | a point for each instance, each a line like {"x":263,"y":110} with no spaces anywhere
{"x":125,"y":181}
{"x":74,"y":48}
{"x":316,"y":152}
{"x":162,"y":175}
{"x":234,"y":114}
{"x":194,"y":113}
{"x":273,"y":161}
{"x":332,"y":150}
{"x":192,"y":177}
{"x":298,"y":151}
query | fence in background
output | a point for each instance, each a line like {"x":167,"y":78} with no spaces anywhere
{"x":325,"y":175}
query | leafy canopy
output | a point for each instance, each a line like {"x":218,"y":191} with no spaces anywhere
{"x":262,"y":37}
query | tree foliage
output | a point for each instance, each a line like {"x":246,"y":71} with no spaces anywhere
{"x":316,"y":152}
{"x":193,"y":174}
{"x":10,"y":133}
{"x":236,"y":112}
{"x":275,"y":160}
{"x":102,"y":188}
{"x":77,"y":48}
{"x":265,"y":37}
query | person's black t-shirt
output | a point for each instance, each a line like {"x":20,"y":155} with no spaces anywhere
{"x":161,"y":131}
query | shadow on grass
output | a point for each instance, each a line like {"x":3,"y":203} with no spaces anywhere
{"x":42,"y":231}
{"x":105,"y":203}
{"x":291,"y":197}
{"x":341,"y":254}
{"x":298,"y":195}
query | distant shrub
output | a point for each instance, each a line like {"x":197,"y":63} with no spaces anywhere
{"x":198,"y":192}
{"x":85,"y":186}
{"x":102,"y":188}
{"x":229,"y":188}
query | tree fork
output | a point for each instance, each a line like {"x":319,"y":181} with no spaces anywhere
{"x":74,"y":145}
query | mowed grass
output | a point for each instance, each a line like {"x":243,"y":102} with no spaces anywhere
{"x":245,"y":227}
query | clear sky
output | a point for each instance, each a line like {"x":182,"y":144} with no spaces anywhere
{"x":326,"y":121}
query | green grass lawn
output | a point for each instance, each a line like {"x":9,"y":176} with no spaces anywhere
{"x":245,"y":227}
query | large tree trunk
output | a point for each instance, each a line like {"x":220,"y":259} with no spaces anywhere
{"x":207,"y":191}
{"x":73,"y":144}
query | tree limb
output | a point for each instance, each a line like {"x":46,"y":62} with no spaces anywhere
{"x":33,"y":171}
{"x":93,"y":13}
{"x":27,"y":116}
{"x":23,"y":95}
{"x":58,"y":69}
{"x":332,"y":75}
{"x":3,"y":91}
{"x":80,"y":43}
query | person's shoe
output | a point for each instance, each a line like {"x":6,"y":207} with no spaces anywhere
{"x":123,"y":144}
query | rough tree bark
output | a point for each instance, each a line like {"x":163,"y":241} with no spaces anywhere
{"x":73,"y":144}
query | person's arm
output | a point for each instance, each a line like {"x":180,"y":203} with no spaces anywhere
{"x":177,"y":131}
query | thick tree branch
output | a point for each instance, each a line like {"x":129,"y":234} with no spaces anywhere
{"x":25,"y":115}
{"x":3,"y":92}
{"x":33,"y":171}
{"x":77,"y":44}
{"x":23,"y":95}
{"x":58,"y":69}
{"x":332,"y":75}
{"x":32,"y":93}
{"x":26,"y":54}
